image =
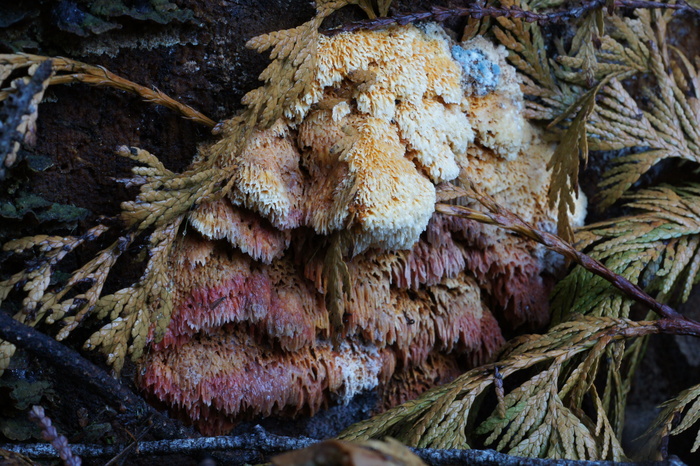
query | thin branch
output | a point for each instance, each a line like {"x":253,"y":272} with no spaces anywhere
{"x":440,"y":13}
{"x":266,"y":444}
{"x":498,"y":215}
{"x":99,"y":76}
{"x":259,"y":440}
{"x":73,"y":364}
{"x":121,"y":456}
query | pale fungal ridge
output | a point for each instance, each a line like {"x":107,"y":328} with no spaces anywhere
{"x":392,"y":202}
{"x":230,"y":372}
{"x":481,"y":75}
{"x":242,"y":228}
{"x":392,"y":120}
{"x":434,"y":134}
{"x":387,"y":125}
{"x":357,"y":374}
{"x":340,"y":111}
{"x":268,"y":179}
{"x":497,"y":116}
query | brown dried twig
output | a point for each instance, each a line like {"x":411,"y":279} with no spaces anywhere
{"x":51,"y":435}
{"x":674,"y":322}
{"x":99,"y":76}
{"x":440,"y":13}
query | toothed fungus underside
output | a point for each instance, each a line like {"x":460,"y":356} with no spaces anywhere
{"x":391,"y":114}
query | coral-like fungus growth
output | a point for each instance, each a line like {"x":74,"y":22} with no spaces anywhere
{"x":354,"y":229}
{"x":300,"y":259}
{"x":342,"y":188}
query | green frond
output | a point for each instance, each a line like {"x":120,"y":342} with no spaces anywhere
{"x":657,"y":249}
{"x":544,"y":415}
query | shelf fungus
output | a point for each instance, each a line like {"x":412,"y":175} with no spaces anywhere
{"x":356,"y":161}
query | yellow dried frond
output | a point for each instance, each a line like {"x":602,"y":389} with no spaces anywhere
{"x":94,"y":274}
{"x":565,"y":162}
{"x":135,"y":311}
{"x":165,"y":196}
{"x":70,"y":71}
{"x":289,"y":78}
{"x":35,"y":280}
{"x":606,"y":436}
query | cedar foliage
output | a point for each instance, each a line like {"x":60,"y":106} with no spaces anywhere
{"x":557,"y":395}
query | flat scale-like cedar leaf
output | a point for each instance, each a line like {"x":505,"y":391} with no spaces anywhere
{"x":659,"y":122}
{"x":583,"y":49}
{"x":658,"y":248}
{"x":135,"y":311}
{"x":667,"y":128}
{"x":556,"y":100}
{"x":290,"y":75}
{"x":543,"y":417}
{"x":527,"y":51}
